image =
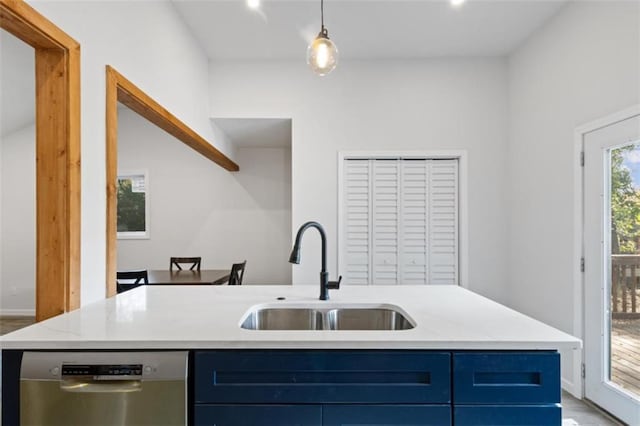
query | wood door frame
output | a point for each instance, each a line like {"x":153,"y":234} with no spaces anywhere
{"x":57,"y":59}
{"x":119,"y":89}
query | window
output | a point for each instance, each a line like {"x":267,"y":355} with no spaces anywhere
{"x":399,"y":221}
{"x":133,"y":205}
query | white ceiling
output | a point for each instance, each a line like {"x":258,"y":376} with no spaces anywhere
{"x":256,"y":132}
{"x":364,"y":29}
{"x":17,"y":84}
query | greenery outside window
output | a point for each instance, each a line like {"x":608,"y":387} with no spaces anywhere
{"x":625,"y":199}
{"x":133,"y":205}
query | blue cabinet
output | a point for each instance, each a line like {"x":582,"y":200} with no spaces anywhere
{"x":506,"y":377}
{"x":506,"y":388}
{"x":300,"y":377}
{"x":254,"y":415}
{"x":400,"y":415}
{"x":508,"y":415}
{"x":282,"y":387}
{"x":321,"y":415}
{"x":369,"y":387}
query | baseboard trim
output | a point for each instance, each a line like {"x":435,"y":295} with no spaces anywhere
{"x":17,"y":312}
{"x":572,"y":388}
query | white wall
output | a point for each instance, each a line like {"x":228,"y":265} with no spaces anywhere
{"x":18,"y":222}
{"x":17,"y":83}
{"x":199,"y":209}
{"x":583,"y":65}
{"x":150,"y":45}
{"x":398,"y":105}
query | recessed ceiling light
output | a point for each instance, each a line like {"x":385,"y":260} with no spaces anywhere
{"x":457,"y":3}
{"x":253,"y":4}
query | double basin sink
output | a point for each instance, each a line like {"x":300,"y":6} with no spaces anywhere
{"x":368,"y":317}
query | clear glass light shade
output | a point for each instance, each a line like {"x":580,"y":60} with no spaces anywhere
{"x":322,"y":55}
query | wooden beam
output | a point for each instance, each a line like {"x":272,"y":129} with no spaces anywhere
{"x":74,"y":181}
{"x":51,"y":174}
{"x":57,"y":156}
{"x":131,"y":96}
{"x":120,"y":89}
{"x":24,"y":22}
{"x":112,"y":176}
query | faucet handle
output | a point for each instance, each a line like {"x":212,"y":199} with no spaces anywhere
{"x":334,"y":285}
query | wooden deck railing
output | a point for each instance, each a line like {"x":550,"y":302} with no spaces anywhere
{"x":625,"y":286}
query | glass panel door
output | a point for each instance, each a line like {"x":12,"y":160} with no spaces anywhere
{"x":624,"y":206}
{"x":612,"y":262}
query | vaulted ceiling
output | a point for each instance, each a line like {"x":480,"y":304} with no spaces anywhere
{"x":365,"y":29}
{"x":281,"y":29}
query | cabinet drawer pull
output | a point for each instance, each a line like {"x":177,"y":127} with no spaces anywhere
{"x":519,"y":378}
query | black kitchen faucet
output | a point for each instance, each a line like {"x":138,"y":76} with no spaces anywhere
{"x":325,"y":284}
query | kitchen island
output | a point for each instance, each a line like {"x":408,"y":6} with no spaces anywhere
{"x":467,"y":360}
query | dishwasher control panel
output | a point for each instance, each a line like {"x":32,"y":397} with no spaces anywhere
{"x":102,"y":370}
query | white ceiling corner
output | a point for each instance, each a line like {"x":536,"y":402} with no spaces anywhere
{"x":256,"y":132}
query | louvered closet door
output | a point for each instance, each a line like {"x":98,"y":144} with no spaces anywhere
{"x":385,"y":206}
{"x":400,"y":221}
{"x":356,"y":218}
{"x":443,"y":222}
{"x":414,"y":231}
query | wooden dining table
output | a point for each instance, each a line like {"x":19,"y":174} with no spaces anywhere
{"x":189,"y":277}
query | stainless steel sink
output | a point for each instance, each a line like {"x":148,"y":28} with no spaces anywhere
{"x":283,"y":319}
{"x":367,"y":319}
{"x":327,"y":318}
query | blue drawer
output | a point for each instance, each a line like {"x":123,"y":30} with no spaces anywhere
{"x":277,"y":376}
{"x":400,"y":415}
{"x":508,"y":415}
{"x":258,"y":415}
{"x":506,"y":377}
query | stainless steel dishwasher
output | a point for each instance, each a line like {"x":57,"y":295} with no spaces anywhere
{"x":103,"y":388}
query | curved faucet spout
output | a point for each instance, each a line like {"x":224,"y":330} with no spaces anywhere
{"x":325,"y":284}
{"x":295,"y":253}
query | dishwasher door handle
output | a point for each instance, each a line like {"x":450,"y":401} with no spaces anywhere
{"x":101,"y":386}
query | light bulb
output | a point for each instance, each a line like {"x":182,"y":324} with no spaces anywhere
{"x":253,"y":4}
{"x":457,"y":3}
{"x":322,"y":54}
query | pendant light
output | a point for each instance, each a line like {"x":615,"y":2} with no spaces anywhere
{"x":322,"y":53}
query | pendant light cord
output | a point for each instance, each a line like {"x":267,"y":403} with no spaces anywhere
{"x":322,"y":13}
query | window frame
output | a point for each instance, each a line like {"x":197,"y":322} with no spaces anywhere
{"x":136,"y":235}
{"x":463,"y":213}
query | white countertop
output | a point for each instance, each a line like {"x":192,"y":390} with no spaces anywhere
{"x":177,"y":317}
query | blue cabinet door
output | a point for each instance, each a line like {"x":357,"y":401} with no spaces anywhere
{"x":400,"y":415}
{"x":322,"y":377}
{"x":508,"y":415}
{"x":257,"y":415}
{"x":511,"y":378}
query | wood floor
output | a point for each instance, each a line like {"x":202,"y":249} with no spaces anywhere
{"x":625,"y":354}
{"x":9,"y":324}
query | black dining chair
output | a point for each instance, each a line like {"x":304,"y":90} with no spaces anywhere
{"x":237,"y":273}
{"x":194,"y":261}
{"x":133,"y":279}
